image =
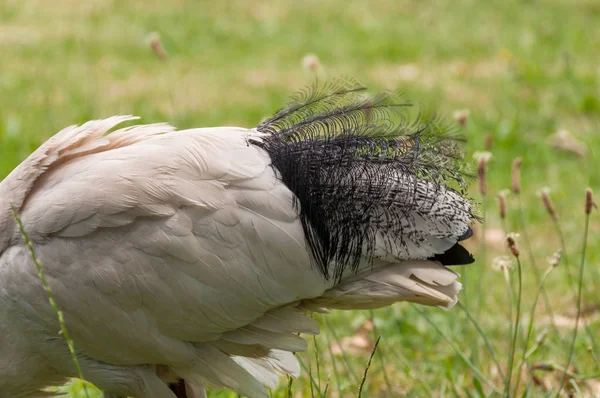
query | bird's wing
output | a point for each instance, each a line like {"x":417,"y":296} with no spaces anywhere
{"x":153,"y":241}
{"x":70,"y":142}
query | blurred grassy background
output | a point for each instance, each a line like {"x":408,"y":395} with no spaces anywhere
{"x":524,"y":70}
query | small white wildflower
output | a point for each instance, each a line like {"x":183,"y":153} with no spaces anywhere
{"x":543,"y":191}
{"x":502,"y":263}
{"x":461,"y":116}
{"x":311,"y":61}
{"x":482,"y":155}
{"x":555,"y":258}
{"x":505,"y":192}
{"x":514,"y":235}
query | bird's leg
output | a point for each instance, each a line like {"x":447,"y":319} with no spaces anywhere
{"x":179,"y":389}
{"x":195,"y":390}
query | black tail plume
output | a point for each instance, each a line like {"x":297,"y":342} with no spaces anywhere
{"x":358,"y":165}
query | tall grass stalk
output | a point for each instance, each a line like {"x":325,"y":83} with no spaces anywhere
{"x":333,"y":363}
{"x":364,"y":378}
{"x":561,"y":237}
{"x":576,"y":388}
{"x":326,"y":387}
{"x":588,"y":209}
{"x":487,"y":342}
{"x":381,"y":357}
{"x":290,"y":383}
{"x":511,"y":358}
{"x":347,"y":362}
{"x":460,"y":353}
{"x":412,"y":374}
{"x":550,"y":366}
{"x":530,"y":326}
{"x":481,"y":299}
{"x":532,"y":262}
{"x":511,"y":304}
{"x":482,"y":168}
{"x":317,"y":360}
{"x":312,"y":383}
{"x":61,"y":320}
{"x":308,"y":370}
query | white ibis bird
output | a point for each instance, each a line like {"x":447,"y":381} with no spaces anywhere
{"x":186,"y":259}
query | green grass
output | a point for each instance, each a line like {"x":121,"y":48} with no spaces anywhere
{"x":524,"y":70}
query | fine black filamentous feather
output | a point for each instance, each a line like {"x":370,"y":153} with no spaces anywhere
{"x":359,"y":166}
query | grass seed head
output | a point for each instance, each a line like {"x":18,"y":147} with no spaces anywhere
{"x":512,"y":244}
{"x":589,"y":201}
{"x":502,"y":263}
{"x":544,"y":193}
{"x":482,"y":161}
{"x":502,"y":205}
{"x":488,"y":142}
{"x":462,"y":116}
{"x":516,"y":175}
{"x":157,"y":46}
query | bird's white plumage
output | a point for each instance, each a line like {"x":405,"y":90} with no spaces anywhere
{"x":179,"y":249}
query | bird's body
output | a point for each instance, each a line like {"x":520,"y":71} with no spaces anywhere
{"x":198,"y":255}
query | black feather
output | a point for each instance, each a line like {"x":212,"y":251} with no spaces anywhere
{"x":359,"y":166}
{"x":456,"y":255}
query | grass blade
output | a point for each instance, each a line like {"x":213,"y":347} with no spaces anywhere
{"x":488,"y":344}
{"x":61,"y":320}
{"x":460,"y":353}
{"x":349,"y":366}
